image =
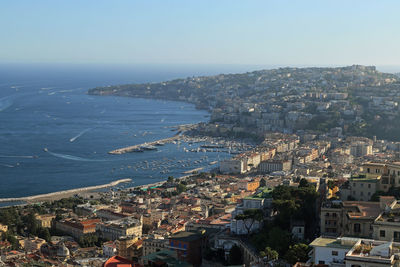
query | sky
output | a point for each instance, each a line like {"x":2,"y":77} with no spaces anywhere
{"x":279,"y":32}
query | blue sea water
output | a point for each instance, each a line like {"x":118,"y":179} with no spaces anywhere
{"x":46,"y":106}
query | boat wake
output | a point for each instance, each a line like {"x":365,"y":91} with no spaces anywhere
{"x":70,"y":157}
{"x":21,"y":157}
{"x":80,"y":134}
{"x":7,"y":165}
{"x":5,"y":103}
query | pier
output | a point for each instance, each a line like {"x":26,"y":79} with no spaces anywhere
{"x":177,"y":136}
{"x":136,"y":147}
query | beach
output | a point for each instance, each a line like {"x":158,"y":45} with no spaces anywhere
{"x":62,"y":194}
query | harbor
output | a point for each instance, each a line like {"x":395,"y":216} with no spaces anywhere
{"x":152,"y":145}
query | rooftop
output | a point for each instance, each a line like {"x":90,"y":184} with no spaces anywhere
{"x":262,"y":192}
{"x":187,"y":235}
{"x":344,"y":243}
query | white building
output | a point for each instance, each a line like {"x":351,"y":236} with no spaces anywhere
{"x":232,"y":166}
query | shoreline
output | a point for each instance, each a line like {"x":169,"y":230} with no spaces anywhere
{"x":71,"y":192}
{"x":62,"y":194}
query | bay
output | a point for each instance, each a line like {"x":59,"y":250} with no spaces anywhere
{"x":53,"y":136}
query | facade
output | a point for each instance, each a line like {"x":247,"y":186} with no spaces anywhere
{"x":386,"y":226}
{"x":360,"y":149}
{"x":232,"y":166}
{"x":354,"y":252}
{"x":129,"y":247}
{"x":389,"y":172}
{"x":275,"y":165}
{"x":362,"y":187}
{"x":77,"y":228}
{"x":113,"y":230}
{"x":45,"y":220}
{"x":331,"y":251}
{"x":152,"y":245}
{"x":350,"y":218}
{"x":33,"y":244}
{"x":249,"y":185}
{"x":188,"y":246}
{"x":109,"y":249}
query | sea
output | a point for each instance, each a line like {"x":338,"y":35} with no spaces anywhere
{"x":54,"y":136}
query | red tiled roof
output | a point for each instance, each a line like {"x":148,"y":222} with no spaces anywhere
{"x":118,"y":261}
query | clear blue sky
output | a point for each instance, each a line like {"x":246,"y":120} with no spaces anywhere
{"x":283,"y":32}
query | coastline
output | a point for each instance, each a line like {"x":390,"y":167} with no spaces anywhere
{"x":62,"y":194}
{"x":71,"y":192}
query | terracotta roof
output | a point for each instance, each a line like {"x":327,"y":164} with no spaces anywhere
{"x":118,"y":261}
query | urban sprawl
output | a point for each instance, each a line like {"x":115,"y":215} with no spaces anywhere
{"x":318,"y":186}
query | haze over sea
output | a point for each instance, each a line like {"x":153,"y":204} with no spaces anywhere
{"x":46,"y":106}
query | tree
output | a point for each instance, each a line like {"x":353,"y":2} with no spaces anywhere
{"x":235,"y":256}
{"x":181,"y":188}
{"x":249,"y":216}
{"x":331,"y":184}
{"x":269,"y":253}
{"x":170,"y":179}
{"x":303,"y":183}
{"x":44,"y":233}
{"x":297,"y":253}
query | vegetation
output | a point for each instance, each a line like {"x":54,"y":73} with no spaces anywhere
{"x":235,"y":256}
{"x":250,"y":216}
{"x":275,"y":238}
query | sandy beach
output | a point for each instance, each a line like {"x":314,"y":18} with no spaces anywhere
{"x":62,"y":194}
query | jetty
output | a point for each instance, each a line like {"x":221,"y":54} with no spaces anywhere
{"x":139,"y":146}
{"x":63,"y":194}
{"x":180,"y":128}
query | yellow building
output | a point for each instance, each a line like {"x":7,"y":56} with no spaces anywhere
{"x":3,"y":228}
{"x":129,"y":247}
{"x":45,"y":220}
{"x":33,"y":244}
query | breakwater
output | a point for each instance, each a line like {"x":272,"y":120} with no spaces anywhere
{"x":179,"y":135}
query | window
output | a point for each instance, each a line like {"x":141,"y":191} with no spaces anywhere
{"x":321,"y":262}
{"x":354,"y":184}
{"x":335,"y":253}
{"x":382,"y":233}
{"x":361,"y":193}
{"x":357,"y":228}
{"x":334,"y":215}
{"x":362,"y":185}
{"x":368,"y":170}
{"x":369,"y":185}
{"x":396,"y":236}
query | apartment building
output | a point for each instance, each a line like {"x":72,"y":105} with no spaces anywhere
{"x":351,"y":218}
{"x":113,"y":230}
